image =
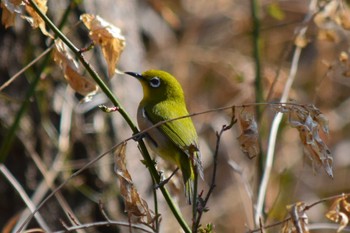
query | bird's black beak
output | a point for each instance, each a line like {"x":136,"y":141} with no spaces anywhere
{"x":136,"y":75}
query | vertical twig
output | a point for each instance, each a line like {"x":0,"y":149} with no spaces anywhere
{"x":277,"y":120}
{"x":195,"y":200}
{"x":202,"y":207}
{"x":257,"y":55}
{"x":255,"y":7}
{"x":156,"y":211}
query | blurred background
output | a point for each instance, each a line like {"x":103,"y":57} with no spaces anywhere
{"x":209,"y":47}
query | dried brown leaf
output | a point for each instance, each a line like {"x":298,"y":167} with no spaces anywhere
{"x":79,"y":83}
{"x":299,"y":217}
{"x":34,"y":19}
{"x":9,"y":10}
{"x":308,"y":120}
{"x":335,"y":213}
{"x":248,"y":139}
{"x":134,"y":204}
{"x":338,"y":217}
{"x":344,"y":19}
{"x":346,"y":205}
{"x":325,"y":17}
{"x":344,"y":220}
{"x":65,"y":59}
{"x":7,"y":17}
{"x":328,"y":35}
{"x":108,"y":37}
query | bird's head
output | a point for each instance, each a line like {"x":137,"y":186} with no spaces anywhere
{"x":159,"y":86}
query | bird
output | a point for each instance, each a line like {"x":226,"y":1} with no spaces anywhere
{"x":174,"y":141}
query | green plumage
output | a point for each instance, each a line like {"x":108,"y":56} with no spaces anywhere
{"x":174,"y":141}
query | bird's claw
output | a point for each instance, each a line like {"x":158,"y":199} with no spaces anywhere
{"x":165,"y":181}
{"x":138,"y":137}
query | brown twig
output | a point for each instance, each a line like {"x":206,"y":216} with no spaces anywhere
{"x":202,"y":203}
{"x":104,"y":223}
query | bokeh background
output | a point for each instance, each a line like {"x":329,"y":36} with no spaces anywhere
{"x":209,"y":47}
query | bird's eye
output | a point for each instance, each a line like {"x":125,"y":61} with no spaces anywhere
{"x":154,"y":82}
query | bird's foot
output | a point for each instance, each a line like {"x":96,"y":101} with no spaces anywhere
{"x":138,"y":136}
{"x":164,"y":182}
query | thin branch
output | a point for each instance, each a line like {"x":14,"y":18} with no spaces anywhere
{"x":255,"y":7}
{"x":104,"y":223}
{"x":203,"y":203}
{"x":7,"y":174}
{"x":8,"y":82}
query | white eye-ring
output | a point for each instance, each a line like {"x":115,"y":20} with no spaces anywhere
{"x":154,"y":82}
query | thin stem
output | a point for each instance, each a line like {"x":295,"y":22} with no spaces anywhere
{"x":23,"y":195}
{"x":203,"y":203}
{"x":255,"y":7}
{"x":156,"y":212}
{"x":195,"y":202}
{"x":105,"y":223}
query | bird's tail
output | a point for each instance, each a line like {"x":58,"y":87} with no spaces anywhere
{"x":188,"y":178}
{"x":189,"y":187}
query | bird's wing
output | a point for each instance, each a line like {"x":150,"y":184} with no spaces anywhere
{"x":181,"y":132}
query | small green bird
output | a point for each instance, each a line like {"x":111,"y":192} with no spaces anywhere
{"x":175,"y":141}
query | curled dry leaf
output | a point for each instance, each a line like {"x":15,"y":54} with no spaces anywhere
{"x":65,"y":59}
{"x":346,"y":205}
{"x":248,"y":139}
{"x":299,"y":217}
{"x":309,"y":121}
{"x":338,"y":217}
{"x":34,"y":19}
{"x":344,"y":19}
{"x":9,"y":10}
{"x":135,"y":206}
{"x":325,"y":18}
{"x":13,"y":7}
{"x":107,"y":36}
{"x":339,"y":212}
{"x":328,"y":35}
{"x":332,"y":16}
